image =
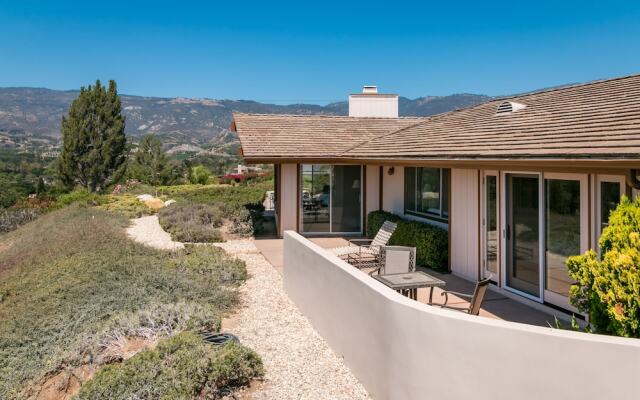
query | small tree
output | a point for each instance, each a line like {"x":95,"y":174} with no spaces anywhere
{"x":608,"y":288}
{"x":93,"y":151}
{"x":152,"y":165}
{"x":199,"y":175}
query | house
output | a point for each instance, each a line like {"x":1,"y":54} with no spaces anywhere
{"x":519,"y":183}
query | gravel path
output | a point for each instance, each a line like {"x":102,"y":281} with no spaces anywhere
{"x":299,"y":364}
{"x":147,"y":230}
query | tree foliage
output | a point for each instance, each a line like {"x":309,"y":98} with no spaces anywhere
{"x":199,"y":175}
{"x":608,"y":287}
{"x":151,"y":164}
{"x":93,"y":153}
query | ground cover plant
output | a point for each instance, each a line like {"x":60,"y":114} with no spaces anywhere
{"x":75,"y":291}
{"x":239,"y":205}
{"x":193,"y":222}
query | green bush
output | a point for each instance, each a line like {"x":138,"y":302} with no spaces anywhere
{"x":199,"y":175}
{"x":127,"y":205}
{"x":81,"y":196}
{"x":181,"y":367}
{"x":608,"y":288}
{"x":431,"y":242}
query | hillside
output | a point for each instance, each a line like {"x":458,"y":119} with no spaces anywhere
{"x":199,"y":124}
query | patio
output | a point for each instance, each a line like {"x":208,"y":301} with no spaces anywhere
{"x":495,"y":305}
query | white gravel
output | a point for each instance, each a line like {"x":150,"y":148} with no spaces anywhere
{"x":299,"y":363}
{"x":147,"y":230}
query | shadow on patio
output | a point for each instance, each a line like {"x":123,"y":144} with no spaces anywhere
{"x":495,"y":304}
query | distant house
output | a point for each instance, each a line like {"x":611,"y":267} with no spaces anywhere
{"x":519,"y":183}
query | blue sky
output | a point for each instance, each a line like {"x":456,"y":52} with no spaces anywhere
{"x":316,"y":52}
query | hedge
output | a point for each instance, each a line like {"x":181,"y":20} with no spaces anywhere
{"x":431,"y":242}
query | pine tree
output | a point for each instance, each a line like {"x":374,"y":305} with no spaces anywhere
{"x":151,"y":165}
{"x":93,"y":153}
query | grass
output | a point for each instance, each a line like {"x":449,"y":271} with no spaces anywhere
{"x":72,"y":283}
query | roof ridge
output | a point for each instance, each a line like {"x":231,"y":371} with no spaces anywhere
{"x":325,"y":116}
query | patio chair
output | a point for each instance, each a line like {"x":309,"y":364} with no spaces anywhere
{"x":366,"y":251}
{"x":396,"y":260}
{"x":475,"y":299}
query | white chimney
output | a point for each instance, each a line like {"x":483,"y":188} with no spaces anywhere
{"x":370,"y":103}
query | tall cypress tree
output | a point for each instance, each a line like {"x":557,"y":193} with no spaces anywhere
{"x":93,"y":153}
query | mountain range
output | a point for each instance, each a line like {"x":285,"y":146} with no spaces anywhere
{"x":183,"y":124}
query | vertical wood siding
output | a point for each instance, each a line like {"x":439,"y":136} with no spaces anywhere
{"x":463,"y":224}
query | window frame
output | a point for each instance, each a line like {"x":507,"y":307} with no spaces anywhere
{"x":441,"y":216}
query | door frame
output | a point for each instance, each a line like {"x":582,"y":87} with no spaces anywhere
{"x":331,"y":232}
{"x":484,"y":272}
{"x":549,"y":296}
{"x":504,"y":217}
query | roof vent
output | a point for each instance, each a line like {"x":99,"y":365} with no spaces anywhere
{"x":508,"y":107}
{"x":369,"y":90}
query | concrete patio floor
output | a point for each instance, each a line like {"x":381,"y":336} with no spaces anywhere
{"x":495,"y":304}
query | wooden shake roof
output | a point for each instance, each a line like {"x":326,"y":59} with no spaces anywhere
{"x":309,"y":136}
{"x":593,"y":120}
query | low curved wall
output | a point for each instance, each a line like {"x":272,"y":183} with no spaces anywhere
{"x":402,"y":349}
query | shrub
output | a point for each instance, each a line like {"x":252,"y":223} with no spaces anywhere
{"x":180,"y":367}
{"x":81,"y":196}
{"x":196,"y":223}
{"x":608,"y":288}
{"x":199,"y":175}
{"x":127,"y":205}
{"x":431,"y":242}
{"x":12,"y":218}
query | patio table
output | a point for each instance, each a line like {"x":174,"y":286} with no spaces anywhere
{"x":408,"y":283}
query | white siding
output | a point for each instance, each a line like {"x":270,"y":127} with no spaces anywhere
{"x":289,"y":197}
{"x":373,"y":189}
{"x":463,"y":223}
{"x":393,"y":190}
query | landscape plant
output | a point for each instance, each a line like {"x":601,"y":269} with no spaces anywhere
{"x":93,"y":139}
{"x":151,"y":165}
{"x":199,"y":175}
{"x":608,"y":285}
{"x":67,"y":297}
{"x":181,"y":367}
{"x":196,"y":223}
{"x":431,"y":242}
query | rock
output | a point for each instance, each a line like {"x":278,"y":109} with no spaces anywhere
{"x":145,"y":197}
{"x":169,"y":202}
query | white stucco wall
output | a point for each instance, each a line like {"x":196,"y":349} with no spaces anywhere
{"x":289,"y":197}
{"x":463,"y":223}
{"x":393,"y":190}
{"x":373,"y":189}
{"x":402,"y":349}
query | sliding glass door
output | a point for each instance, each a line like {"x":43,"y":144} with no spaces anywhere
{"x":522,"y":234}
{"x":490,"y":226}
{"x":331,"y":198}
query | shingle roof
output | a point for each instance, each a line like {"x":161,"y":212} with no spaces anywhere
{"x":598,"y":119}
{"x":299,"y":136}
{"x":593,"y":120}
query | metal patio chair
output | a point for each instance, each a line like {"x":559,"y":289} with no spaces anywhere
{"x":366,"y":252}
{"x":475,"y":299}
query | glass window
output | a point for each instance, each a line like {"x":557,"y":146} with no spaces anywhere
{"x":427,"y":192}
{"x":562,"y":231}
{"x":609,"y":199}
